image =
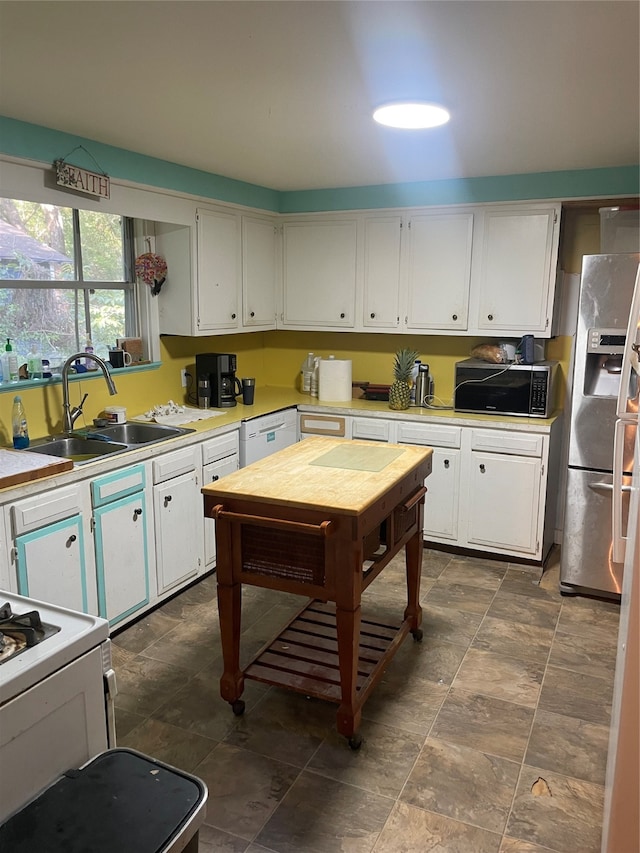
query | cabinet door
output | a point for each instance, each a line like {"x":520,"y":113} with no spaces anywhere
{"x":504,"y":502}
{"x":319,"y":274}
{"x":177,"y":510}
{"x":51,"y":564}
{"x":219,"y":262}
{"x":381,"y":272}
{"x":516,"y":273}
{"x":121,"y":557}
{"x":443,"y":489}
{"x":210,"y":474}
{"x":439,"y":271}
{"x":258,"y":273}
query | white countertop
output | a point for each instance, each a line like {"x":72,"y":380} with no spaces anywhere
{"x":271,"y":399}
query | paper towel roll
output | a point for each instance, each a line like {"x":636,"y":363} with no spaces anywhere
{"x":334,"y":380}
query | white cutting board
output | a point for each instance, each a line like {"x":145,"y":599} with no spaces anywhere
{"x":20,"y":466}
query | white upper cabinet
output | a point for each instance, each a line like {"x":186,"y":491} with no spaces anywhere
{"x":515,"y":259}
{"x":319,"y":273}
{"x":439,"y":271}
{"x":381,"y":269}
{"x":258,"y":273}
{"x":219,"y":270}
{"x":476,"y":270}
{"x":221,"y":274}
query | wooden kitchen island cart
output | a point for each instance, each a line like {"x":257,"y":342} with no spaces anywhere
{"x":321,"y":519}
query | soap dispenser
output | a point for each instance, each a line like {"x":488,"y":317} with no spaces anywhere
{"x":11,"y":362}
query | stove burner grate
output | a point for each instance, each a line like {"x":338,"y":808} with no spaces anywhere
{"x":21,"y":631}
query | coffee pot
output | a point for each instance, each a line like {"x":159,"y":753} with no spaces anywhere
{"x":216,"y":376}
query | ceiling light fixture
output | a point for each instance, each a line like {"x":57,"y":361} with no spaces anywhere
{"x":411,"y":115}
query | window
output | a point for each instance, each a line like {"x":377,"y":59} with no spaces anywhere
{"x":66,"y":276}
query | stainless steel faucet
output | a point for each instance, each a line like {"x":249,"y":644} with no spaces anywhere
{"x":71,"y":415}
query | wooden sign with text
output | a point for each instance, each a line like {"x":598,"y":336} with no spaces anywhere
{"x":75,"y":178}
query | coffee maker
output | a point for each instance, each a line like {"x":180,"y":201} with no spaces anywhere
{"x":219,"y":370}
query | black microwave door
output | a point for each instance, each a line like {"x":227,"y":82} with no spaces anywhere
{"x":506,"y":392}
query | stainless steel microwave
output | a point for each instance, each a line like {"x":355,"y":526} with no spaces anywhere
{"x":523,"y":390}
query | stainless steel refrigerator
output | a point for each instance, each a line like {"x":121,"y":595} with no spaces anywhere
{"x":587,"y":563}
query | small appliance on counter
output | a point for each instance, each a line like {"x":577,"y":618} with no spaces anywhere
{"x":523,"y":390}
{"x":219,"y":370}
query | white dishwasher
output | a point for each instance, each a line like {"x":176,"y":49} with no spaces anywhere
{"x":261,"y":436}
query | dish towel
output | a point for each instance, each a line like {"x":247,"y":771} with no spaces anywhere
{"x":173,"y":415}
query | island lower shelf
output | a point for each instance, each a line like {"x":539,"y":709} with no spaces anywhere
{"x":304,"y":656}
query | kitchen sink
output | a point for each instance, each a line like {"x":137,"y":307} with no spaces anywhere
{"x":78,"y":449}
{"x":135,"y":433}
{"x":115,"y":438}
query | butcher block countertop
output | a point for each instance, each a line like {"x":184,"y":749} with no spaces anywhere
{"x":20,"y":466}
{"x":323,"y":473}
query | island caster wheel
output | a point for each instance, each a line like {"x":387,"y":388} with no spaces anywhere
{"x":417,"y":635}
{"x":238,"y":707}
{"x":355,"y":741}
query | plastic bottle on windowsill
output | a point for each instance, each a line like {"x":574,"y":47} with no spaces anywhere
{"x":89,"y":363}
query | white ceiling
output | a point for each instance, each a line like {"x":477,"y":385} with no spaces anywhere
{"x":280,"y":94}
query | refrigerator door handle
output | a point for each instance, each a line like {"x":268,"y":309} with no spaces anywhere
{"x":601,"y":487}
{"x":628,"y":388}
{"x":619,"y":541}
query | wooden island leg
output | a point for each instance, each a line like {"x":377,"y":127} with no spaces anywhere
{"x":413,"y":562}
{"x":230,"y":616}
{"x":348,"y":715}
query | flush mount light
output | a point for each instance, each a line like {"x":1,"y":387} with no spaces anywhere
{"x":411,"y":115}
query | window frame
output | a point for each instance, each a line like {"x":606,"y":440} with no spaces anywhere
{"x":128,"y":286}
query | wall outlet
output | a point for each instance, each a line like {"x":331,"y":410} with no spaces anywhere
{"x":183,"y":377}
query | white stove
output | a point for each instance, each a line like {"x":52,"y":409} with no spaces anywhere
{"x":56,"y":699}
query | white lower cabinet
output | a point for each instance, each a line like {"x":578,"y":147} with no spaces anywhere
{"x":441,"y":504}
{"x":506,"y":479}
{"x":178,"y":521}
{"x":220,"y":456}
{"x":491,"y":490}
{"x":121,"y":535}
{"x":50,"y":560}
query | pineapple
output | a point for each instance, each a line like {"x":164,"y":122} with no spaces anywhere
{"x":400,"y":391}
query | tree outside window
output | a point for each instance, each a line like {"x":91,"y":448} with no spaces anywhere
{"x":66,"y":276}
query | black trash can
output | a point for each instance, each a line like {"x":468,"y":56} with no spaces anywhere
{"x":120,"y":802}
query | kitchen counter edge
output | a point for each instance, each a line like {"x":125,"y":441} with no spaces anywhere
{"x":270,"y":399}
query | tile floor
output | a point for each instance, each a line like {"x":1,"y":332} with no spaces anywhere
{"x":490,"y":736}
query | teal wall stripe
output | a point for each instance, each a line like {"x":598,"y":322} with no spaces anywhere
{"x":20,"y":139}
{"x":33,"y":142}
{"x":581,"y":183}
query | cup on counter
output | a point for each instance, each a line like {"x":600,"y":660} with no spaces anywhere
{"x":119,"y":358}
{"x":204,"y":393}
{"x":248,"y":391}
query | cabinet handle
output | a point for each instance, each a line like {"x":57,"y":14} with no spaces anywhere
{"x":136,"y":513}
{"x":482,"y":469}
{"x":215,"y":477}
{"x":252,"y":313}
{"x":489,"y":316}
{"x":71,"y":539}
{"x":373,"y":315}
{"x":454,"y":316}
{"x":342,"y":316}
{"x":167,"y":500}
{"x":233,"y":316}
{"x":446,"y":463}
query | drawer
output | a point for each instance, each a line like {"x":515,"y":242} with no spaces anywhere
{"x":499,"y":441}
{"x":176,"y":463}
{"x":372,"y":429}
{"x":117,"y":485}
{"x":32,"y":513}
{"x":220,"y":448}
{"x":333,"y":425}
{"x":430,"y":435}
